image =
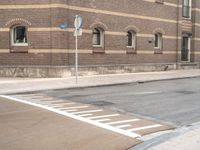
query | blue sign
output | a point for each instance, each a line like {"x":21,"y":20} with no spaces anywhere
{"x":63,"y":25}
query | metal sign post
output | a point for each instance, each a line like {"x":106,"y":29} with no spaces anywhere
{"x":78,"y":32}
{"x":76,"y":58}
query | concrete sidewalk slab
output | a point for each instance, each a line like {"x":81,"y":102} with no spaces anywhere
{"x":11,"y":85}
{"x":184,"y":138}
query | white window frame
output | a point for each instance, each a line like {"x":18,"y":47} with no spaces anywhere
{"x":160,"y":41}
{"x":190,"y":10}
{"x":101,"y":38}
{"x":133,"y":40}
{"x":13,"y":36}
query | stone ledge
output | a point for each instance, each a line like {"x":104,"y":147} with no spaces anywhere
{"x":66,"y":71}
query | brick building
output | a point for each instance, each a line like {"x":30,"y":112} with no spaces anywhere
{"x":128,"y":35}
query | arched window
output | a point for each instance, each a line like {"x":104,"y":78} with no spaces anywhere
{"x":97,"y":39}
{"x":158,"y":41}
{"x":19,"y":35}
{"x":131,"y":39}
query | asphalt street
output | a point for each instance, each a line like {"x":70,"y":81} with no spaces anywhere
{"x":173,"y":101}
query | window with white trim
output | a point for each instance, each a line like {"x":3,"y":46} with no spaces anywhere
{"x":97,"y":39}
{"x":187,"y":8}
{"x":19,"y":35}
{"x":158,"y":41}
{"x":131,"y":39}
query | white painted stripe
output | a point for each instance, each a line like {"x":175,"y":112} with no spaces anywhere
{"x":123,"y":121}
{"x":123,"y":126}
{"x":33,"y":96}
{"x":67,"y":103}
{"x":71,"y":110}
{"x":60,"y":103}
{"x":98,"y":124}
{"x":48,"y":101}
{"x":104,"y":116}
{"x":54,"y":105}
{"x":102,"y":120}
{"x":57,"y":102}
{"x":39,"y":102}
{"x":89,"y":111}
{"x":85,"y":115}
{"x":145,"y":127}
{"x":58,"y":106}
{"x":53,"y":100}
{"x":25,"y":95}
{"x":65,"y":108}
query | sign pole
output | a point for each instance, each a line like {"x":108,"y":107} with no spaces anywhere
{"x":78,"y":32}
{"x":76,"y":57}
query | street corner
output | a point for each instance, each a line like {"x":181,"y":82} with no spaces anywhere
{"x":125,"y":128}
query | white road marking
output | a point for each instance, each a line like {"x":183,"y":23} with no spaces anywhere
{"x":104,"y":116}
{"x":58,"y":106}
{"x":67,"y":103}
{"x":55,"y":105}
{"x":145,"y":93}
{"x":123,"y":121}
{"x":53,"y":100}
{"x":145,"y":127}
{"x":34,"y":97}
{"x":30,"y":95}
{"x":85,"y":115}
{"x":102,"y":120}
{"x":89,"y":111}
{"x":59,"y":103}
{"x":123,"y":126}
{"x":74,"y":107}
{"x":47,"y":103}
{"x":72,"y":110}
{"x":73,"y":116}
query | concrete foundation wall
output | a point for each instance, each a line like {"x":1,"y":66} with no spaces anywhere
{"x":43,"y":71}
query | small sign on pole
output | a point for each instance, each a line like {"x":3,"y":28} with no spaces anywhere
{"x":78,"y":22}
{"x":63,"y":26}
{"x":78,"y":32}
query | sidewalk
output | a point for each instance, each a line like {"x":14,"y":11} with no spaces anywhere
{"x":185,"y":138}
{"x":14,"y":85}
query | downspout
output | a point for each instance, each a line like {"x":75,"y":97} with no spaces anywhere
{"x":67,"y":38}
{"x":177,"y":35}
{"x":51,"y":41}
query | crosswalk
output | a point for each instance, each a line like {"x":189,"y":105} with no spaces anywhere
{"x":130,"y":126}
